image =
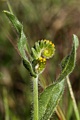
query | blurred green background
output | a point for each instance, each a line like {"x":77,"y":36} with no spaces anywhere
{"x":56,"y":20}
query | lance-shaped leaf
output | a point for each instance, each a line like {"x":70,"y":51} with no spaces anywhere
{"x":68,"y":63}
{"x":51,"y":96}
{"x":49,"y":99}
{"x":22,"y":43}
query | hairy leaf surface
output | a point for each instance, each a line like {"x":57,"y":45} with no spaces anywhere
{"x":68,"y":63}
{"x":22,"y":43}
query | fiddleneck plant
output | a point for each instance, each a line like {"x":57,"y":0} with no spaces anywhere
{"x":40,"y":52}
{"x":35,"y":62}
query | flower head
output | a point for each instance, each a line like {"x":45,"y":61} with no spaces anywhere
{"x":49,"y":49}
{"x":39,"y":65}
{"x":41,"y":51}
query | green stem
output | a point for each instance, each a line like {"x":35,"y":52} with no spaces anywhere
{"x":6,"y":107}
{"x":35,"y":98}
{"x":73,"y":99}
{"x":9,"y":6}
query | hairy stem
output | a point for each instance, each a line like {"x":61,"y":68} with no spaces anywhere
{"x":73,"y":99}
{"x":35,"y":98}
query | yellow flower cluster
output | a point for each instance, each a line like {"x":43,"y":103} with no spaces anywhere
{"x":48,"y":41}
{"x":40,"y":65}
{"x":41,"y":59}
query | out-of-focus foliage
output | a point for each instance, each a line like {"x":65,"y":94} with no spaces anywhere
{"x":56,"y":20}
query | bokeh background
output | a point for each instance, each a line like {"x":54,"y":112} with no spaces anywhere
{"x":56,"y":20}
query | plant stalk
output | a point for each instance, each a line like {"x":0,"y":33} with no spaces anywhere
{"x":9,"y":6}
{"x":35,"y":98}
{"x":60,"y":113}
{"x":6,"y":107}
{"x":73,"y":99}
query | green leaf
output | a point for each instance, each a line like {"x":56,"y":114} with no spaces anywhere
{"x":22,"y":44}
{"x":51,"y":96}
{"x":68,"y":63}
{"x":28,"y":66}
{"x":49,"y":99}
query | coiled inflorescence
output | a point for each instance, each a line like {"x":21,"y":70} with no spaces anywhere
{"x":41,"y":51}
